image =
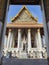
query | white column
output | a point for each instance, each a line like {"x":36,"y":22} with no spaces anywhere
{"x":5,"y":42}
{"x":19,"y":38}
{"x":9,"y":39}
{"x":39,"y":45}
{"x":29,"y":40}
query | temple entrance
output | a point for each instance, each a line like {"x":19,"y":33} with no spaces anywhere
{"x":25,"y":47}
{"x":24,"y":41}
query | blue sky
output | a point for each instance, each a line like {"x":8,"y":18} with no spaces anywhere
{"x":34,"y":9}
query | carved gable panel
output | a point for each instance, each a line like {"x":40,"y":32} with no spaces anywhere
{"x":24,"y":17}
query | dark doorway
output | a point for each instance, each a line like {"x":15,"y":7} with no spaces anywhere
{"x":15,"y":45}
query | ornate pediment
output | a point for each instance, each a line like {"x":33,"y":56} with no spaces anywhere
{"x":24,"y":16}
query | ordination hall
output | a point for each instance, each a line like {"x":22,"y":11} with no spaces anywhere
{"x":24,"y":37}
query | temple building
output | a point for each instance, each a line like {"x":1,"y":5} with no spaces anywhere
{"x":25,"y":37}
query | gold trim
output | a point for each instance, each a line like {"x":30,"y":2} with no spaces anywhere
{"x":13,"y":19}
{"x":24,"y":25}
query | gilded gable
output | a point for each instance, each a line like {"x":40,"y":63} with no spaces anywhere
{"x":24,"y":16}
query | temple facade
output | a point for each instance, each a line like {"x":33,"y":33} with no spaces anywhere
{"x":24,"y":37}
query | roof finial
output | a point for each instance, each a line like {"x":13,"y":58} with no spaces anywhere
{"x":24,"y":6}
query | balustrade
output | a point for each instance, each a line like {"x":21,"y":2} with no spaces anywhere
{"x":34,"y":53}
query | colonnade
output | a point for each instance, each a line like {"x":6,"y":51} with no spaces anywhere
{"x":38,"y":39}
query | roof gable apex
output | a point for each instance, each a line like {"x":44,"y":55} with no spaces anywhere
{"x":26,"y":10}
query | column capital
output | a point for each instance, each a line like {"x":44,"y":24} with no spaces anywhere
{"x":29,"y":30}
{"x":38,"y":30}
{"x":10,"y":30}
{"x":19,"y":30}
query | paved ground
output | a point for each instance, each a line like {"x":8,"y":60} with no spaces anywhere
{"x":14,"y":61}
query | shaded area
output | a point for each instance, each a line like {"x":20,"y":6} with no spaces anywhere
{"x":35,"y":2}
{"x":15,"y":61}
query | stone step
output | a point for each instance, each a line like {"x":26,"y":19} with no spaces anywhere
{"x":23,"y":55}
{"x":15,"y":61}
